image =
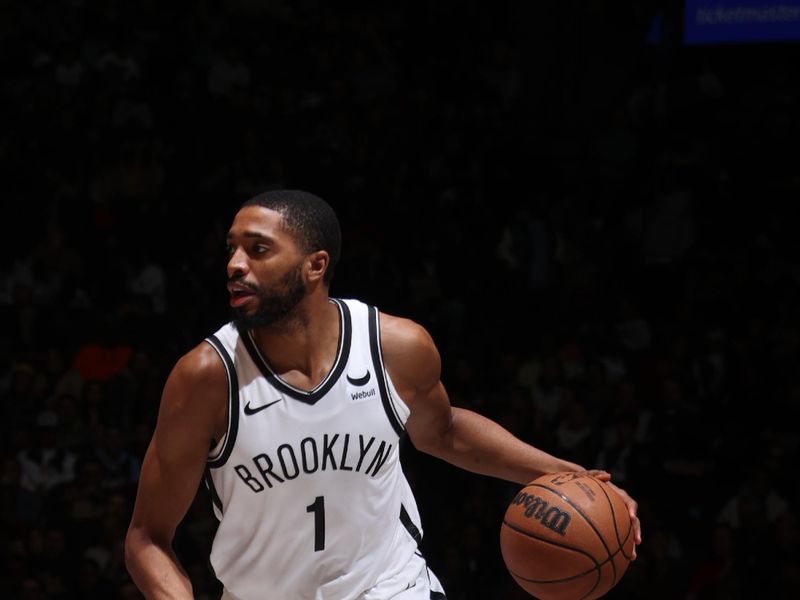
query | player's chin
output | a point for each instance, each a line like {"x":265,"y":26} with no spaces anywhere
{"x":245,"y":317}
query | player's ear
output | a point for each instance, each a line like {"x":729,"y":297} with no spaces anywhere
{"x":316,"y":265}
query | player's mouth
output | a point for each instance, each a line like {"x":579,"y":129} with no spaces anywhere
{"x":240,"y":293}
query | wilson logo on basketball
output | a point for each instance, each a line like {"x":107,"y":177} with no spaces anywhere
{"x":537,"y":508}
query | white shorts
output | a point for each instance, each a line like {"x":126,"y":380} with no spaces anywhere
{"x":415,"y":582}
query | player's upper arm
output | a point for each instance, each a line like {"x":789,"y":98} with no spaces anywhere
{"x":193,"y":405}
{"x":414,"y":364}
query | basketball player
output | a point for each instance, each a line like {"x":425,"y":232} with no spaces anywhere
{"x":302,"y":400}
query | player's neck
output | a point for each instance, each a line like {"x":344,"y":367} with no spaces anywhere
{"x":305,"y":343}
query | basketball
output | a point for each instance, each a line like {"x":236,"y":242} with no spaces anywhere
{"x":567,"y":536}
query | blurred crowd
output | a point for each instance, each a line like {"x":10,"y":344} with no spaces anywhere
{"x":587,"y":217}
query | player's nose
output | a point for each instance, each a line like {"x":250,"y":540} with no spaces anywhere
{"x":237,"y":263}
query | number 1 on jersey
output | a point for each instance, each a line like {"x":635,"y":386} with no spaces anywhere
{"x":318,"y":508}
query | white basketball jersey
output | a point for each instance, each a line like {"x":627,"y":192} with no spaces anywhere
{"x":307,"y":485}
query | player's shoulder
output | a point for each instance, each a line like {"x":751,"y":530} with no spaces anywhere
{"x":201,"y":361}
{"x":194,"y":401}
{"x":199,"y":370}
{"x":404,"y":334}
{"x":408,"y":347}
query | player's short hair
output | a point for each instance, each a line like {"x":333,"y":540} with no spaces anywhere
{"x":309,"y":219}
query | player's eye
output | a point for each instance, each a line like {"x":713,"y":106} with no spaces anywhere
{"x":260,"y":249}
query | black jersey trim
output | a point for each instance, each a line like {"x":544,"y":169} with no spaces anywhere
{"x":410,"y":526}
{"x":377,"y":360}
{"x":233,"y":403}
{"x":212,"y":490}
{"x":339,"y":363}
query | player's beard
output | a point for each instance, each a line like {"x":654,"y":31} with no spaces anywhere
{"x":274,"y":303}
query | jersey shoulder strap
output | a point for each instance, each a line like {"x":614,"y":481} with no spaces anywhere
{"x":366,"y":326}
{"x":224,"y":342}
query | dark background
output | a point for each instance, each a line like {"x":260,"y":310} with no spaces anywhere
{"x":594,"y":227}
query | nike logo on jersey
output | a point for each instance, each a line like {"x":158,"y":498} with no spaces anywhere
{"x":248,"y":410}
{"x":359,"y":381}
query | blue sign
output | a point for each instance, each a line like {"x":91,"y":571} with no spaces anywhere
{"x":741,"y":21}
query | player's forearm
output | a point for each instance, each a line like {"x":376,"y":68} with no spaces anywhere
{"x":480,"y":445}
{"x":155,"y":569}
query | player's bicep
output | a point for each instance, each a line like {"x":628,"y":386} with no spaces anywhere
{"x":414,"y":364}
{"x":165,"y":493}
{"x":176,"y":457}
{"x":431,"y":419}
